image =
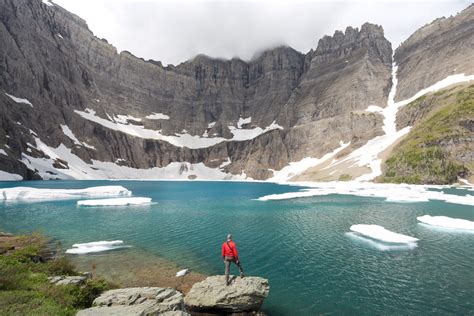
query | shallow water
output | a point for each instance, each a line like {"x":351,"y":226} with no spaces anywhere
{"x":302,"y":246}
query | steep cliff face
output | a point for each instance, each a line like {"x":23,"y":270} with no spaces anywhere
{"x":441,"y":48}
{"x":72,"y":106}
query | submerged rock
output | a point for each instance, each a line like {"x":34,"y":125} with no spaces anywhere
{"x":69,"y":280}
{"x":137,"y":301}
{"x":213,"y":295}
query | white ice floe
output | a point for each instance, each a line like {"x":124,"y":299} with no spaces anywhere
{"x":179,"y":140}
{"x":19,"y":100}
{"x":447,"y":222}
{"x":382,"y":234}
{"x":6,"y":176}
{"x":369,"y":154}
{"x":27,"y":193}
{"x":96,"y":246}
{"x":3,"y":152}
{"x":243,"y":121}
{"x":380,"y":245}
{"x":298,"y":167}
{"x":67,"y":131}
{"x":391,"y":192}
{"x":158,"y":116}
{"x":116,"y":201}
{"x":80,"y":170}
{"x":182,"y":273}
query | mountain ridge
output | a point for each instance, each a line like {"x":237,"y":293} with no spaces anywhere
{"x":257,"y":116}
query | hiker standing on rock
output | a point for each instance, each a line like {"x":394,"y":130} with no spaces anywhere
{"x":230,"y":254}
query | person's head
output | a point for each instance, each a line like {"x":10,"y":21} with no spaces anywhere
{"x":229,"y":237}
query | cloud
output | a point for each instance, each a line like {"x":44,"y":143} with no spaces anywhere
{"x":174,"y":31}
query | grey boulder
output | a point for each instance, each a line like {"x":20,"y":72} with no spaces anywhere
{"x":137,"y":301}
{"x":241,"y":295}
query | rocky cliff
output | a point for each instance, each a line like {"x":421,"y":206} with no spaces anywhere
{"x":73,"y":107}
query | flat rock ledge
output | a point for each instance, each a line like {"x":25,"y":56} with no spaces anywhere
{"x":139,"y":301}
{"x":213,"y":295}
{"x":69,"y":280}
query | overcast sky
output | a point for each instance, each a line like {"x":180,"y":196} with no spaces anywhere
{"x":173,"y":31}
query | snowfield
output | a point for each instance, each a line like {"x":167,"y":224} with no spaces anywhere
{"x":182,"y":139}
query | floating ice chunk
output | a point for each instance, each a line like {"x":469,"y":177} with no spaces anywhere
{"x":158,"y":116}
{"x":381,"y":234}
{"x":182,"y":273}
{"x":96,"y":246}
{"x":6,"y":176}
{"x":19,"y":100}
{"x":447,"y":222}
{"x":380,"y":245}
{"x":27,"y":193}
{"x":116,"y":202}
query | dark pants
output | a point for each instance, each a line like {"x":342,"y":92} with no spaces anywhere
{"x":227,"y":262}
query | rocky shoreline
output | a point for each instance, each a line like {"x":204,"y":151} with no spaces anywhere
{"x":199,"y":295}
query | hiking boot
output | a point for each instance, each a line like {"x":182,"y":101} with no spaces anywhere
{"x":242,"y":275}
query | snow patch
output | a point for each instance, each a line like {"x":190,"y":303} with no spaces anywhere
{"x":298,"y":167}
{"x":382,"y":234}
{"x":3,"y":152}
{"x":96,"y":246}
{"x":374,"y":109}
{"x":116,"y":202}
{"x":211,"y":125}
{"x":243,"y":121}
{"x":178,"y":140}
{"x":27,"y":193}
{"x":67,"y":131}
{"x":158,"y":116}
{"x":6,"y":176}
{"x":447,"y":222}
{"x":19,"y":100}
{"x":80,"y":170}
{"x":123,"y":119}
{"x":60,"y":36}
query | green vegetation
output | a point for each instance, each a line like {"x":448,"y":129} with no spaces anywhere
{"x":430,"y":152}
{"x":345,"y":177}
{"x":24,"y":285}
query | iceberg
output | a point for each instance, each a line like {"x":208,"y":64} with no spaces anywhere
{"x":96,"y":246}
{"x":447,"y":222}
{"x":182,"y":273}
{"x":115,"y":201}
{"x":379,"y":233}
{"x":27,"y":193}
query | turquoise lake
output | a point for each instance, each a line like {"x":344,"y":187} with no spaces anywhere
{"x":302,"y":245}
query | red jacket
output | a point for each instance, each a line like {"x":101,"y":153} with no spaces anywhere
{"x":230,"y":250}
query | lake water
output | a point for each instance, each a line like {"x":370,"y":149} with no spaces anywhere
{"x":302,"y":245}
